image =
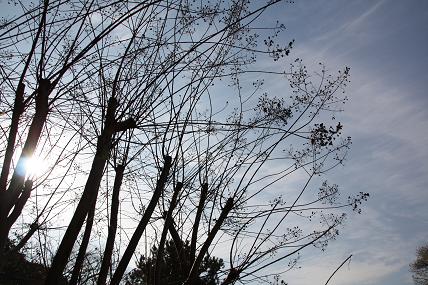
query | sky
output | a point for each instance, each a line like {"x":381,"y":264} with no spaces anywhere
{"x":385,"y":43}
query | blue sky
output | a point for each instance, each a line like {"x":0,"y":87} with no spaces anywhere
{"x":385,"y":43}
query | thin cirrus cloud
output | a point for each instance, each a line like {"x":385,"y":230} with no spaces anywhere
{"x":385,"y":44}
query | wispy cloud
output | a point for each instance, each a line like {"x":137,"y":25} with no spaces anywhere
{"x":387,"y":118}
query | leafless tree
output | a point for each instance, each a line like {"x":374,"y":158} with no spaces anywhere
{"x":127,"y":101}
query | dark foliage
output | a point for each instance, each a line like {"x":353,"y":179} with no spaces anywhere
{"x":15,"y":269}
{"x":174,"y":267}
{"x":420,"y":266}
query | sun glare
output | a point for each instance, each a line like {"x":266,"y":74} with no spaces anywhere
{"x":35,"y":166}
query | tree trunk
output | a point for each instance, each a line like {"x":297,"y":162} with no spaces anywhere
{"x":195,"y":267}
{"x":89,"y":194}
{"x":168,"y":219}
{"x":11,"y":196}
{"x":19,"y":205}
{"x":83,"y":246}
{"x":113,"y":226}
{"x":18,"y":108}
{"x":198,"y":216}
{"x":179,"y":246}
{"x":117,"y":276}
{"x":33,"y":228}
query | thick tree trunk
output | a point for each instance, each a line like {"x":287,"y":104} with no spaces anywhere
{"x":89,"y":194}
{"x":70,"y":236}
{"x":117,"y":276}
{"x":78,"y":265}
{"x":175,"y":237}
{"x":34,"y":132}
{"x":18,"y":108}
{"x":19,"y":205}
{"x":108,"y":251}
{"x":11,"y":197}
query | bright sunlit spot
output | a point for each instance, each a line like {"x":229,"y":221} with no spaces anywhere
{"x":35,"y":166}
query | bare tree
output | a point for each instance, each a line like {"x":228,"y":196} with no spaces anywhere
{"x":126,"y":98}
{"x":56,"y":37}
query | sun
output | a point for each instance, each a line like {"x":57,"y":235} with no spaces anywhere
{"x":35,"y":166}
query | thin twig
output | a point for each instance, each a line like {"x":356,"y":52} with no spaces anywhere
{"x":337,"y":269}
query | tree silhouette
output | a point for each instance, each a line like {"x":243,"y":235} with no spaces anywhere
{"x":420,"y":266}
{"x":16,"y":269}
{"x":174,"y":272}
{"x":156,"y":124}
